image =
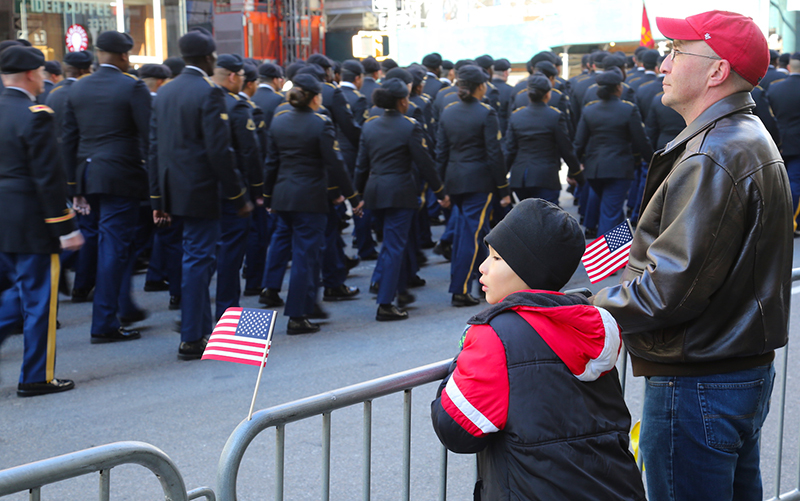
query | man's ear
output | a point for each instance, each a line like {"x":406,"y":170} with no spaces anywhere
{"x":720,"y":73}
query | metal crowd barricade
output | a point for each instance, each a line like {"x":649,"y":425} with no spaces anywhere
{"x":32,"y":476}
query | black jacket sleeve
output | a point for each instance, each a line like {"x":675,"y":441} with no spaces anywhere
{"x":218,"y":146}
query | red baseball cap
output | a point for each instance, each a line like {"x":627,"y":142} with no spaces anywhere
{"x":734,"y":37}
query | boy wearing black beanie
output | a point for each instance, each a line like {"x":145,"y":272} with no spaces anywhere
{"x":534,"y":391}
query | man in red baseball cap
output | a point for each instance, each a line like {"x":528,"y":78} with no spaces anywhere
{"x":704,"y":300}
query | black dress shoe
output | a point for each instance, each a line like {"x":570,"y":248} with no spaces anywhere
{"x":252,"y":292}
{"x":404,"y":298}
{"x":430,"y":244}
{"x":192,"y":350}
{"x":156,"y":285}
{"x":137,"y":316}
{"x":318,"y":313}
{"x":372,"y":256}
{"x":351,"y":262}
{"x":422,"y":259}
{"x":374,"y":287}
{"x":54,"y":386}
{"x":390,"y":312}
{"x":444,"y":249}
{"x":81,"y":295}
{"x":301,"y":325}
{"x":113,"y":337}
{"x":464,"y":300}
{"x":270,"y":297}
{"x":340,"y":293}
{"x":416,"y":281}
{"x":174,"y":302}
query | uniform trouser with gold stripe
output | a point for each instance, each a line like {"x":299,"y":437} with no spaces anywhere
{"x":36,"y":281}
{"x":468,"y":247}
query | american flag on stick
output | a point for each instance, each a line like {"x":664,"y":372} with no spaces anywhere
{"x":242,"y":335}
{"x":608,"y":253}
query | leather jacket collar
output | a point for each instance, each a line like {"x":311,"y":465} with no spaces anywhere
{"x":735,"y":103}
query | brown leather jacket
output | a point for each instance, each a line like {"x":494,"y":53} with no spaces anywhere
{"x":708,"y":284}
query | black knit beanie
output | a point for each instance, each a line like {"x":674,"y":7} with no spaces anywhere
{"x":540,"y":242}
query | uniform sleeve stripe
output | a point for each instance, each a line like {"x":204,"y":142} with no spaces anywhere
{"x":244,"y":190}
{"x":467,"y":409}
{"x":60,"y":219}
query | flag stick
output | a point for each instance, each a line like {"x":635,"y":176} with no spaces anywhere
{"x":263,"y":363}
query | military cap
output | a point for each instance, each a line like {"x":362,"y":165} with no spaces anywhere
{"x":614,"y":60}
{"x":546,"y":68}
{"x":293,"y":68}
{"x":159,"y":71}
{"x":463,"y":62}
{"x":307,"y":82}
{"x":197,"y":43}
{"x":784,"y":59}
{"x":485,"y":61}
{"x":401,"y":74}
{"x":586,"y":59}
{"x":337,"y":68}
{"x":320,"y":60}
{"x":795,"y":56}
{"x":175,"y":65}
{"x":250,"y":60}
{"x":8,"y":43}
{"x":388,"y":64}
{"x":612,"y":76}
{"x":502,"y":65}
{"x":250,"y":72}
{"x":433,"y":60}
{"x":314,"y":70}
{"x":638,"y":51}
{"x":114,"y":41}
{"x":353,"y":67}
{"x":418,"y":72}
{"x":539,"y":83}
{"x":649,"y":58}
{"x":52,"y":67}
{"x":473,"y":74}
{"x":544,"y":55}
{"x":18,"y":59}
{"x":599,"y":56}
{"x":371,"y":65}
{"x":395,"y":87}
{"x":269,"y":70}
{"x":774,"y":54}
{"x":231,"y":62}
{"x":448,"y":65}
{"x":81,"y":60}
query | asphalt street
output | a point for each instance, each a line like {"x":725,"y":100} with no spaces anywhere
{"x":139,"y":391}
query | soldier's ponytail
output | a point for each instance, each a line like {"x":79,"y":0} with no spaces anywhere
{"x":299,"y":98}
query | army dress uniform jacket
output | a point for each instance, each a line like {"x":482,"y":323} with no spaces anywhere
{"x":32,"y":183}
{"x":784,"y":99}
{"x":303,"y":165}
{"x":358,"y":106}
{"x":367,"y":88}
{"x":663,"y":124}
{"x":268,"y":100}
{"x":506,"y":91}
{"x":57,"y":101}
{"x":609,"y":133}
{"x":536,"y":141}
{"x":468,"y":150}
{"x":191,"y":161}
{"x":343,"y":119}
{"x":431,"y":86}
{"x":244,"y":141}
{"x":105,"y":139}
{"x":261,"y":133}
{"x":393,"y":150}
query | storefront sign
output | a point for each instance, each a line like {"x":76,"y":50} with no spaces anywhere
{"x":77,"y":39}
{"x":68,"y":7}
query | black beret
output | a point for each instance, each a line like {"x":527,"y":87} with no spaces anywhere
{"x":197,"y":43}
{"x":159,"y":71}
{"x":795,"y":56}
{"x":231,"y":62}
{"x":448,"y":65}
{"x":353,"y":67}
{"x":293,"y":68}
{"x":611,"y":76}
{"x":401,"y":74}
{"x":538,"y":82}
{"x":433,"y":60}
{"x":502,"y":65}
{"x":485,"y":61}
{"x":463,"y":62}
{"x":649,"y":58}
{"x":388,"y":64}
{"x":8,"y":43}
{"x":614,"y":60}
{"x":639,"y":50}
{"x":52,"y":67}
{"x":250,"y":72}
{"x":250,"y":60}
{"x":418,"y":72}
{"x":544,"y":55}
{"x":308,"y":83}
{"x":547,"y":68}
{"x":472,"y":73}
{"x":114,"y":41}
{"x":337,"y":67}
{"x":660,"y":60}
{"x":269,"y":70}
{"x":774,"y":54}
{"x":395,"y":87}
{"x":18,"y":59}
{"x":319,"y":59}
{"x":586,"y":59}
{"x":81,"y":60}
{"x":314,"y":70}
{"x":785,"y":57}
{"x":175,"y":65}
{"x":599,"y":56}
{"x":371,"y":65}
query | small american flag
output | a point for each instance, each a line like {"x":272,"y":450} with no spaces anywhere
{"x":608,"y":253}
{"x":242,"y":335}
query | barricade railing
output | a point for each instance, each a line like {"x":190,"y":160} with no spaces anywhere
{"x":33,"y":476}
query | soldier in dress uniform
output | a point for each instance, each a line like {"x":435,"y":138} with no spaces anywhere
{"x":612,"y":61}
{"x":783,"y":64}
{"x":175,"y":65}
{"x":433,"y":65}
{"x":448,"y":77}
{"x":3,"y":46}
{"x":386,"y":65}
{"x":192,"y":166}
{"x":372,"y":73}
{"x":154,"y":76}
{"x":646,"y":91}
{"x":105,"y":146}
{"x":52,"y":72}
{"x":579,"y":89}
{"x":269,"y":95}
{"x":36,"y":223}
{"x":558,"y":99}
{"x":639,"y":69}
{"x":492,"y":97}
{"x":772,"y":72}
{"x":501,"y":69}
{"x":649,"y":59}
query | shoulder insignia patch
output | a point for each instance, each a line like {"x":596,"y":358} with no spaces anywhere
{"x":223,"y":116}
{"x":335,"y":145}
{"x":424,"y":144}
{"x":555,"y":109}
{"x":251,"y":125}
{"x":262,"y":125}
{"x":40,"y":107}
{"x":499,"y":135}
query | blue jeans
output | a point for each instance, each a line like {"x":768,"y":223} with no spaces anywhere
{"x":793,"y":171}
{"x":700,"y":435}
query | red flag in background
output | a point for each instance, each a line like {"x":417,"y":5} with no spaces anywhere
{"x":647,"y":35}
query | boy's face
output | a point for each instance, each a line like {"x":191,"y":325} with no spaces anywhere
{"x":498,"y":279}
